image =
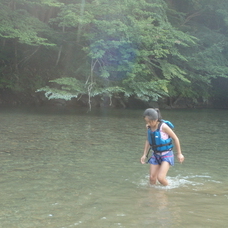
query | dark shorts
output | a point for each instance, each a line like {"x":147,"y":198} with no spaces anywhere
{"x":157,"y":159}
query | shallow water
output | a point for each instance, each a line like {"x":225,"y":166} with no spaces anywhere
{"x":69,"y":168}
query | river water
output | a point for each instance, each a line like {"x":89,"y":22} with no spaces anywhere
{"x":70,"y":168}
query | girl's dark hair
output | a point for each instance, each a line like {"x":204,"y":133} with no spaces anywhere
{"x":152,"y":114}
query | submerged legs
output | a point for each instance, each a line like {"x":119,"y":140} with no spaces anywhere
{"x":159,"y":172}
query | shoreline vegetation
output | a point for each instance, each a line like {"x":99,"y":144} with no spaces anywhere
{"x":39,"y":99}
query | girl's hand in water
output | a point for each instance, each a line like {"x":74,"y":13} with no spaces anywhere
{"x":143,"y":159}
{"x":180,"y":157}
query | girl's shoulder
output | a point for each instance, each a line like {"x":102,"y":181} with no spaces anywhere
{"x":167,"y":123}
{"x":166,"y":128}
{"x":163,"y":126}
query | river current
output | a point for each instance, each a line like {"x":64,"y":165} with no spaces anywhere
{"x":63,"y":168}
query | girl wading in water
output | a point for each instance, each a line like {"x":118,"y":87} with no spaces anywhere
{"x":160,"y":138}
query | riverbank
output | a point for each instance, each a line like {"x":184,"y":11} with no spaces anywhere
{"x":8,"y":97}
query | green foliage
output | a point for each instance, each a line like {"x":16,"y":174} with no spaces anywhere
{"x":147,"y":49}
{"x":147,"y":90}
{"x":208,"y":59}
{"x":19,"y":24}
{"x":72,"y":15}
{"x":51,"y":3}
{"x":130,"y":40}
{"x":130,"y":44}
{"x":172,"y":71}
{"x":69,"y":88}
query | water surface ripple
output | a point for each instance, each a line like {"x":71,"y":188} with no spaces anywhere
{"x":70,"y":168}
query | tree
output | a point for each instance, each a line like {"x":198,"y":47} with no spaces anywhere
{"x":207,"y":21}
{"x":129,"y":45}
{"x":113,"y":50}
{"x":22,"y":34}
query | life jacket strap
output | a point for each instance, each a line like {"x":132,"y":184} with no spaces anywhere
{"x":155,"y":146}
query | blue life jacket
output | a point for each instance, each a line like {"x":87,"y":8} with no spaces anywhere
{"x":156,"y":142}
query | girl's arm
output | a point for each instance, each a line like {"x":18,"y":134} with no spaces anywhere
{"x":146,"y":148}
{"x":171,"y":133}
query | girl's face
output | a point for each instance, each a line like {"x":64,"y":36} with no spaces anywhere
{"x":150,"y":123}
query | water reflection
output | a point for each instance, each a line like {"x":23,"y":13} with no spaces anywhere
{"x":162,"y":214}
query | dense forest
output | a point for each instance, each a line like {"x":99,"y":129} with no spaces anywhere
{"x":118,"y":53}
